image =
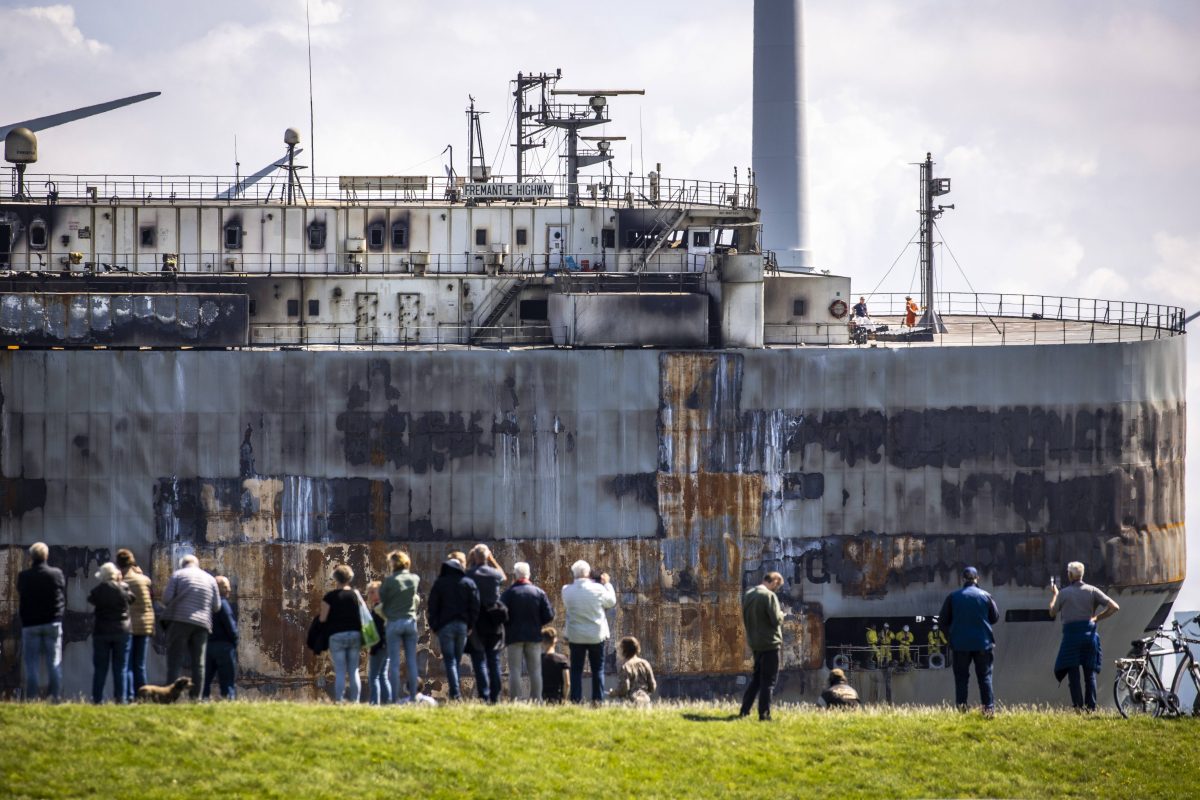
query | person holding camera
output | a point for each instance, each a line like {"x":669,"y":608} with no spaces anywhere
{"x":586,"y":628}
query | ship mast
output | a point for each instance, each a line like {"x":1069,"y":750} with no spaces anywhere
{"x":931,"y":187}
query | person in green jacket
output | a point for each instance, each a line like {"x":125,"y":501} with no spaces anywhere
{"x":398,"y":599}
{"x":763,"y":619}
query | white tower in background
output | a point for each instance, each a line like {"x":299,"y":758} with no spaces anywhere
{"x":780,"y":158}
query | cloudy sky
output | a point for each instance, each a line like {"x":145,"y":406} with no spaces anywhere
{"x":1069,"y":127}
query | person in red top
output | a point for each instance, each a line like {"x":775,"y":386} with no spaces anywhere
{"x":910,"y":312}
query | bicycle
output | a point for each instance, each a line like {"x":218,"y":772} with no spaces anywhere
{"x":1138,"y":687}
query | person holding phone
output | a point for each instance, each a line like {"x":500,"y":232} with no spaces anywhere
{"x":1081,"y":606}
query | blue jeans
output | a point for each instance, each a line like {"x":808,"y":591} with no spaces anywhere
{"x":1082,"y":696}
{"x":377,"y":677}
{"x":135,"y":676}
{"x":453,"y":638}
{"x":40,"y":642}
{"x":403,"y":632}
{"x":343,"y":649}
{"x":220,"y":662}
{"x":594,"y":653}
{"x":485,"y":662}
{"x":110,"y":648}
{"x":982,"y":659}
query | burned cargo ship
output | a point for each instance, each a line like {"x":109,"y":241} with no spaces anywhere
{"x":282,"y":377}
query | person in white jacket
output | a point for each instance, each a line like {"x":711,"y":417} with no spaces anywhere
{"x":586,"y":629}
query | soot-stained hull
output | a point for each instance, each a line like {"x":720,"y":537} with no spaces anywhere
{"x":869,"y":477}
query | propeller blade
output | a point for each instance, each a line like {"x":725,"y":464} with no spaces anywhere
{"x":248,"y":181}
{"x":41,"y":123}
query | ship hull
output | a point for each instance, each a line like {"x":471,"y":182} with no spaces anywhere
{"x":868,"y":477}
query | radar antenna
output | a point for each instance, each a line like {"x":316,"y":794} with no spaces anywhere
{"x":53,"y":120}
{"x":574,"y":116}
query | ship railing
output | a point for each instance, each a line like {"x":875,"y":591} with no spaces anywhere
{"x":445,"y":336}
{"x":1039,"y":307}
{"x":967,"y":330}
{"x":628,"y":191}
{"x":408,"y":262}
{"x":631,"y":282}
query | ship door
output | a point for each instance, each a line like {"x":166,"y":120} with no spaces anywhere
{"x":409,"y":318}
{"x":556,"y":245}
{"x":6,"y":237}
{"x":366,"y":316}
{"x":699,"y":247}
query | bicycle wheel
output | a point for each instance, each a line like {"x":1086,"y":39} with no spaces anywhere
{"x":1137,"y":693}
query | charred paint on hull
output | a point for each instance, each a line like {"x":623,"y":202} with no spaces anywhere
{"x":684,"y":475}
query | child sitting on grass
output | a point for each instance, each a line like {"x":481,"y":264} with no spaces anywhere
{"x":556,"y":669}
{"x":635,"y":678}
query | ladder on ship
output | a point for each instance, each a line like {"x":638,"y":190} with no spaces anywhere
{"x":507,"y":296}
{"x":667,"y":221}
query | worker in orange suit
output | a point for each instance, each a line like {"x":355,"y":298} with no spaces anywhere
{"x":910,"y":312}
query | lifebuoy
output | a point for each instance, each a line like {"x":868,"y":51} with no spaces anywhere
{"x":841,"y":661}
{"x":937,"y":661}
{"x":838,"y":309}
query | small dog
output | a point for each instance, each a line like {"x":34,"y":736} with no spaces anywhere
{"x":164,"y":694}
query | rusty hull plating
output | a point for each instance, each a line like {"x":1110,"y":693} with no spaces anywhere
{"x":868,"y":477}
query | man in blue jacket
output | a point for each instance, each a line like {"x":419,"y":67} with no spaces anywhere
{"x":968,"y":615}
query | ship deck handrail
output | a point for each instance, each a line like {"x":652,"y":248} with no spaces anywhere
{"x":1038,"y":307}
{"x":630,"y":191}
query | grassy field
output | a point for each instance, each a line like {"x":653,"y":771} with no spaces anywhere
{"x":290,"y":750}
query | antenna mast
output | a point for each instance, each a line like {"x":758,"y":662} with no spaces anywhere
{"x":931,"y":187}
{"x":525,"y":131}
{"x":476,"y":160}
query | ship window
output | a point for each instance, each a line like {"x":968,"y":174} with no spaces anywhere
{"x":147,"y":237}
{"x":37,"y":235}
{"x":233,"y":236}
{"x":608,"y":238}
{"x":314,"y":308}
{"x":293,"y":308}
{"x":535,"y":309}
{"x":701,"y":239}
{"x":375,"y":236}
{"x":481,"y":236}
{"x":399,"y":236}
{"x":316,"y":236}
{"x":799,"y":307}
{"x":522,"y":237}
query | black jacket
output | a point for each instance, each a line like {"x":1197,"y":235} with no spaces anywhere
{"x":43,"y":593}
{"x":453,"y":598}
{"x":528,"y":611}
{"x":112,"y":607}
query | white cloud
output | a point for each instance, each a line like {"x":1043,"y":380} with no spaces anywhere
{"x":40,"y":34}
{"x":1175,"y":273}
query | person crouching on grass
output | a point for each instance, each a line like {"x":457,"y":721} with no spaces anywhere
{"x":556,"y":669}
{"x":635,"y":678}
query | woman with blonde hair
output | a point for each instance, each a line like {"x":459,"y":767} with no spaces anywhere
{"x":111,"y":634}
{"x":399,"y":600}
{"x":141,"y":612}
{"x":487,"y":638}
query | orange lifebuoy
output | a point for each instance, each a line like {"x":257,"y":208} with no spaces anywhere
{"x":838,"y":309}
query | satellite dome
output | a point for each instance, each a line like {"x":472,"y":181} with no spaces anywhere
{"x":291,"y":136}
{"x":20,"y":146}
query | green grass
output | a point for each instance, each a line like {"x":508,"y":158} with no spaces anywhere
{"x":292,"y":750}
